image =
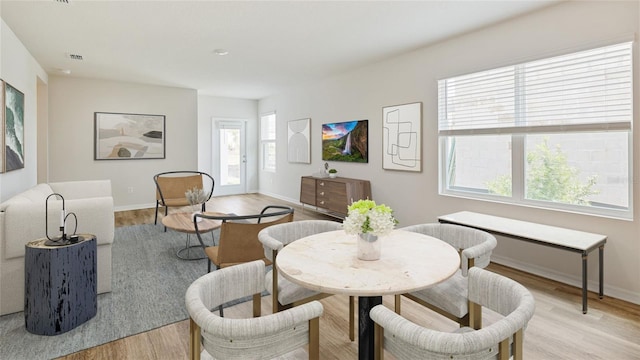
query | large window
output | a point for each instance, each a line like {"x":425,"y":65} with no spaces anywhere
{"x":268,"y":141}
{"x":553,"y":133}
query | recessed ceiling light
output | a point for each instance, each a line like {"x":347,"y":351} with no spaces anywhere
{"x":220,"y":52}
{"x":64,"y":71}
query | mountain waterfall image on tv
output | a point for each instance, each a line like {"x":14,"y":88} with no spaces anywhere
{"x":346,"y":141}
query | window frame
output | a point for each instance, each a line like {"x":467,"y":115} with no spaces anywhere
{"x":518,"y":153}
{"x":266,"y":141}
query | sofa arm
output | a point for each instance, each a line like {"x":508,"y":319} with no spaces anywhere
{"x":82,"y":189}
{"x":24,"y":222}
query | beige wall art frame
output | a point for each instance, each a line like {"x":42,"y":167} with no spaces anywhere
{"x":402,"y":137}
{"x":120,"y":136}
{"x":299,"y":141}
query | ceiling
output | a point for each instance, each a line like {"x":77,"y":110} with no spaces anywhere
{"x":272,"y":45}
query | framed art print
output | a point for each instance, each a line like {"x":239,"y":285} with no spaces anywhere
{"x":121,"y":136}
{"x":346,"y":141}
{"x":1,"y":127}
{"x":401,"y":137}
{"x":299,"y":141}
{"x":13,"y":103}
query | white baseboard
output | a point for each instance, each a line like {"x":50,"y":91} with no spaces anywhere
{"x":283,"y":198}
{"x":134,"y":207}
{"x":592,"y":284}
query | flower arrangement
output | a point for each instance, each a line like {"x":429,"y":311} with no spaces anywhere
{"x":196,"y":196}
{"x":364,"y":216}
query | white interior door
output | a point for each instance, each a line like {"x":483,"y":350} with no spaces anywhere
{"x":230,"y":151}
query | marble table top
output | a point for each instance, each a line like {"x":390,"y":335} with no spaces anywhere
{"x":327,"y":262}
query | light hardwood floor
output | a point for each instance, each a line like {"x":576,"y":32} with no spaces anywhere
{"x":558,"y":330}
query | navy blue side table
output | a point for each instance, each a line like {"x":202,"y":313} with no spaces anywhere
{"x":60,"y":285}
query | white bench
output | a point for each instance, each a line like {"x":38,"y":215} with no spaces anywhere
{"x":557,"y":237}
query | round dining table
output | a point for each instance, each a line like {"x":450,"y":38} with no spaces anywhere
{"x":327,"y":262}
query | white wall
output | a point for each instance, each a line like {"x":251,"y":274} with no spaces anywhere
{"x":72,"y":103}
{"x":19,"y":68}
{"x":211,"y":107}
{"x":412,"y":77}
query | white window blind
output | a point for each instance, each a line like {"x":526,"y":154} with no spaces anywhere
{"x":584,"y":91}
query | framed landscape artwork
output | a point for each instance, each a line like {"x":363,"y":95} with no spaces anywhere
{"x":13,"y":128}
{"x":346,"y":141}
{"x":299,"y":141}
{"x":401,"y":137}
{"x":121,"y":136}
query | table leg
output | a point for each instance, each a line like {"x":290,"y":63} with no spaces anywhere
{"x":601,"y":251}
{"x":584,"y":283}
{"x":187,"y":247}
{"x":366,"y":327}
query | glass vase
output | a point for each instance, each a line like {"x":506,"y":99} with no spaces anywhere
{"x":369,"y":247}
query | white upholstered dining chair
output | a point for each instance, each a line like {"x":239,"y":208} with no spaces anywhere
{"x":449,"y":298}
{"x":255,"y":338}
{"x":286,"y":294}
{"x":501,"y":340}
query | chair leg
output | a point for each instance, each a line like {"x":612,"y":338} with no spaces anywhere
{"x":155,"y":221}
{"x":352,"y":311}
{"x":314,"y":339}
{"x":221,"y":310}
{"x":475,"y":316}
{"x":517,"y":345}
{"x":378,"y":342}
{"x":166,"y":212}
{"x":194,"y":340}
{"x":398,"y":302}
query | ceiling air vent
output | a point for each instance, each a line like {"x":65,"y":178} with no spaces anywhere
{"x":75,"y":57}
{"x":63,"y":1}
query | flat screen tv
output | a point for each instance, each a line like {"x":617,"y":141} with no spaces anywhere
{"x":346,"y":141}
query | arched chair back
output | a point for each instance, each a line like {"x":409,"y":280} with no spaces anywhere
{"x":286,"y":294}
{"x":238,"y":241}
{"x":253,"y":338}
{"x":449,"y":298}
{"x":503,"y":339}
{"x":171,"y":187}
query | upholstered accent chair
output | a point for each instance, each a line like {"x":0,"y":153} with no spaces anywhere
{"x":286,"y":294}
{"x":254,"y":338}
{"x":449,"y":298}
{"x":172,"y":185}
{"x":503,"y":339}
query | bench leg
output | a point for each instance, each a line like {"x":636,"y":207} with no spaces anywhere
{"x":584,"y":283}
{"x":601,"y":253}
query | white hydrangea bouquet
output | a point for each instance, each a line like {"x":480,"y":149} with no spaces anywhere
{"x":365,"y":217}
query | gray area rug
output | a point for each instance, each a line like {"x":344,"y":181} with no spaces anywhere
{"x":148,"y":287}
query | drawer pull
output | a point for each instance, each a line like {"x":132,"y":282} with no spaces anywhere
{"x":322,"y":202}
{"x":321,"y":193}
{"x":322,"y":184}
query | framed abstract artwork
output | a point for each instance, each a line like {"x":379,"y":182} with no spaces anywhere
{"x":299,"y":141}
{"x":13,"y":128}
{"x":120,"y":136}
{"x":401,"y":137}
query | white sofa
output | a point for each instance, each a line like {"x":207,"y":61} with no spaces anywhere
{"x":22,"y":219}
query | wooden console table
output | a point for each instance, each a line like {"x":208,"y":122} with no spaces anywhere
{"x":333,"y":194}
{"x":553,"y":236}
